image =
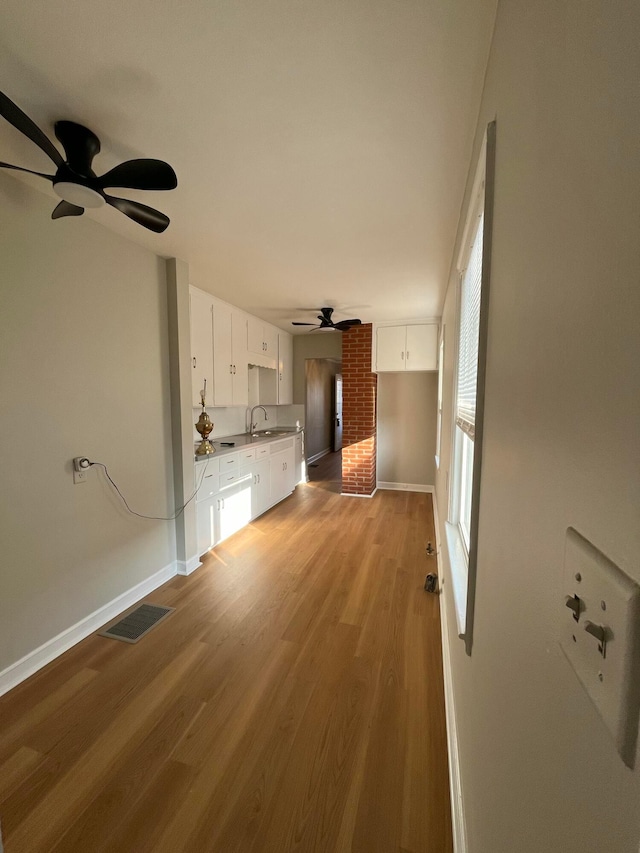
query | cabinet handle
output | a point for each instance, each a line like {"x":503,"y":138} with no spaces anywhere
{"x":230,"y":368}
{"x":407,"y":355}
{"x":402,"y":355}
{"x":194,"y":361}
{"x":206,"y":476}
{"x":234,"y":369}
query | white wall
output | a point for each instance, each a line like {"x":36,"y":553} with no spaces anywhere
{"x":406,"y":438}
{"x":83,"y":371}
{"x":312,"y":345}
{"x":539,"y":770}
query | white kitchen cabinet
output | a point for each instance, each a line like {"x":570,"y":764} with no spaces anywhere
{"x":230,"y":364}
{"x":234,"y":508}
{"x":201,"y":321}
{"x":298,"y":447}
{"x":285,"y":368}
{"x":283,"y":469}
{"x":207,"y":522}
{"x":261,"y":487}
{"x":239,"y":486}
{"x":406,"y":348}
{"x":262,"y":340}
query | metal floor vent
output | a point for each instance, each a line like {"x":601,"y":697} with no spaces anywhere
{"x":136,"y":624}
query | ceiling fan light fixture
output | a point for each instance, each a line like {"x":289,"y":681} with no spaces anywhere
{"x":78,"y":194}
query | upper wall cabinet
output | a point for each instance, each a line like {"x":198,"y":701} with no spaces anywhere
{"x":285,"y":368}
{"x":230,"y":362}
{"x":262,"y":340}
{"x":200,"y":313}
{"x":405,"y":348}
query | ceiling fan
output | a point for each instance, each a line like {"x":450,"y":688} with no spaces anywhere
{"x":75,"y":181}
{"x":327,"y":323}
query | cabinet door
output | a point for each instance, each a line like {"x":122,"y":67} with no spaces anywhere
{"x":235,"y":508}
{"x":298,"y":447}
{"x":255,"y":338}
{"x":390,"y":348}
{"x":207,"y":524}
{"x":239,"y":360}
{"x":270,"y":338}
{"x":422,"y":347}
{"x":282,"y":474}
{"x":222,"y":360}
{"x":290,"y":479}
{"x":285,"y":368}
{"x":261,"y":488}
{"x":201,"y":346}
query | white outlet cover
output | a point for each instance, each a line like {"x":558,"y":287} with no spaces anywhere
{"x":613,"y":681}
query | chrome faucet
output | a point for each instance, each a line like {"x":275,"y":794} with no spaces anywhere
{"x":253,"y":425}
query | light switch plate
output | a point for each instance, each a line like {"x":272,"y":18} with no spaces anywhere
{"x":609,"y":672}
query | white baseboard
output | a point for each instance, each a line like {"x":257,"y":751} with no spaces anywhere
{"x":317,"y":456}
{"x":189,"y":566}
{"x":457,"y":806}
{"x":35,"y":660}
{"x":350,"y":495}
{"x":406,"y":487}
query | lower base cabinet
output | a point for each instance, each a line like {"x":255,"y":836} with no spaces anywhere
{"x":254,"y":485}
{"x":261,"y":488}
{"x":283,"y":470}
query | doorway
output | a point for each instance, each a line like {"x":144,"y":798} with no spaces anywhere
{"x":323,"y":419}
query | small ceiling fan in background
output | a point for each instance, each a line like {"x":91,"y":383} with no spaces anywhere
{"x":75,"y":181}
{"x":327,"y":323}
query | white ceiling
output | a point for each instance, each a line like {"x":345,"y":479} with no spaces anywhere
{"x":321,"y":146}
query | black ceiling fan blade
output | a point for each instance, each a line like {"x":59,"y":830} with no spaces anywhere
{"x":347,"y":324}
{"x":142,"y":174}
{"x":21,"y":121}
{"x":140,"y":213}
{"x":65,"y":208}
{"x":293,"y":323}
{"x":80,"y":145}
{"x":30,"y":171}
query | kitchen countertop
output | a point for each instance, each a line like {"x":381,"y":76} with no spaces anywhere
{"x":245,"y":439}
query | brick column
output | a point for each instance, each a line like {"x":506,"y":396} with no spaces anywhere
{"x":359,"y":387}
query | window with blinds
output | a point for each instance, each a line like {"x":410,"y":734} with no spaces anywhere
{"x":470,"y":292}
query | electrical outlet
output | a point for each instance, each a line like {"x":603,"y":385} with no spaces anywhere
{"x":600,"y":636}
{"x":81,"y":467}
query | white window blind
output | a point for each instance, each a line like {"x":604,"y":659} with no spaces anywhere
{"x":469,"y":335}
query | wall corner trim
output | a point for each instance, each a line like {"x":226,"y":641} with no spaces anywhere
{"x":33,"y":661}
{"x":356,"y":495}
{"x":455,"y":783}
{"x":188,"y":567}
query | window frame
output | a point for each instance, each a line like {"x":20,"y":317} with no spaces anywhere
{"x":463,"y":544}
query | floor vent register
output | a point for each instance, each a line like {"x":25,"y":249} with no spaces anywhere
{"x":136,"y":624}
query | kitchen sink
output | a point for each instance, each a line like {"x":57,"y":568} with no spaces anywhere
{"x":270,"y":432}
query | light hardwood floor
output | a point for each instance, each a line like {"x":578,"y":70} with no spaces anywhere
{"x":293,"y":702}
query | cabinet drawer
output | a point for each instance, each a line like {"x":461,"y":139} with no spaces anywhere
{"x":230,"y":477}
{"x":263,"y":451}
{"x":247,"y":456}
{"x":208,"y":480}
{"x":228,"y":462}
{"x":278,"y":446}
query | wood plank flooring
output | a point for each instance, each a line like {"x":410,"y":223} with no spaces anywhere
{"x":293,"y":702}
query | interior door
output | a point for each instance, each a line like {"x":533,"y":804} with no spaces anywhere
{"x":337,"y":412}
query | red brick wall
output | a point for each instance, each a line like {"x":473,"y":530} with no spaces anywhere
{"x":359,"y":388}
